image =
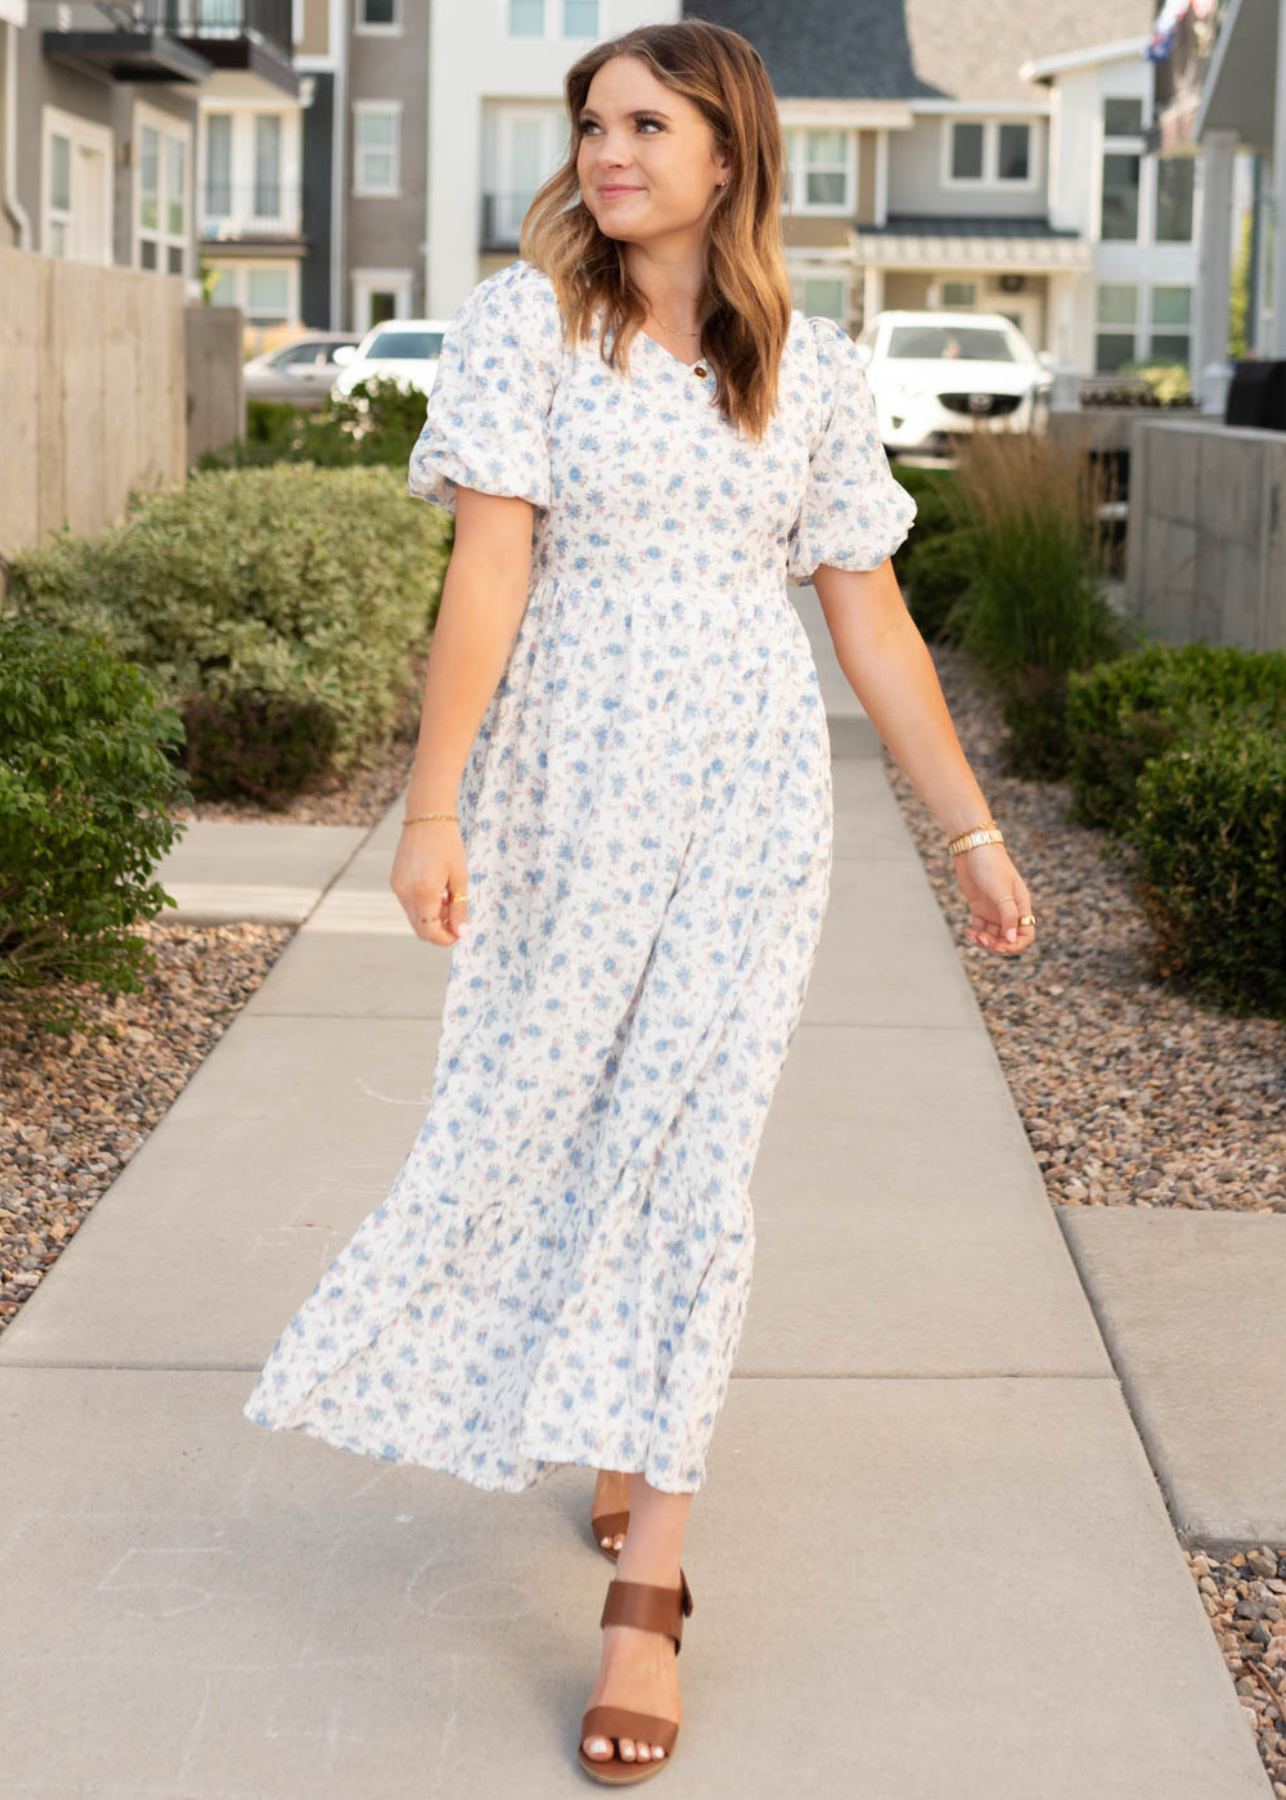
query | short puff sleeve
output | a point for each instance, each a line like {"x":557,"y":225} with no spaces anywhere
{"x":853,"y":514}
{"x":486,"y":424}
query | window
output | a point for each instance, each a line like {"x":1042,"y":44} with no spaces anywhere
{"x":580,"y":18}
{"x":1116,"y":307}
{"x":959,"y":293}
{"x":959,"y":343}
{"x":526,"y":18}
{"x":218,"y":165}
{"x":1174,"y":199}
{"x":160,"y":193}
{"x":267,"y":194}
{"x":1122,"y":116}
{"x":58,"y":208}
{"x":823,"y":174}
{"x":989,"y":153}
{"x":823,"y":295}
{"x":1120,"y":197}
{"x":377,"y":15}
{"x":377,"y":130}
{"x":825,"y":168}
{"x":1012,"y":152}
{"x":966,"y":152}
{"x":267,"y":293}
{"x":1170,"y":339}
{"x":249,"y":172}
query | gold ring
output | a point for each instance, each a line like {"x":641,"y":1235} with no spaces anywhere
{"x":456,"y":897}
{"x":1028,"y":919}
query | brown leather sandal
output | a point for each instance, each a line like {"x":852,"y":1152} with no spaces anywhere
{"x":607,"y":1525}
{"x":649,"y":1608}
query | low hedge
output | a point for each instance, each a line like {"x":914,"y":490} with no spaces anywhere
{"x":86,"y":788}
{"x":1124,"y":714}
{"x":1209,"y":827}
{"x":277,"y":610}
{"x":377,"y":424}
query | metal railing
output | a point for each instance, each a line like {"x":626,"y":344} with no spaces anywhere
{"x":261,"y":209}
{"x":268,"y":20}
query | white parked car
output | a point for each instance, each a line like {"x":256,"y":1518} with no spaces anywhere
{"x":935,"y":374}
{"x":404,"y":350}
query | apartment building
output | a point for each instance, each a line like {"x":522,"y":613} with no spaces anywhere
{"x":990,"y":155}
{"x":365,"y":67}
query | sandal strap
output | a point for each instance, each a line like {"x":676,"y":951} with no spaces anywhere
{"x":619,"y":1722}
{"x":608,"y":1524}
{"x":649,"y":1607}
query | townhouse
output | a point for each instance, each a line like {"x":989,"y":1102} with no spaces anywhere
{"x":102,"y":140}
{"x":993,"y":156}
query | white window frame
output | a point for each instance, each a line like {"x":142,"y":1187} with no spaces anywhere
{"x":242,"y":221}
{"x":362,"y":29}
{"x":55,"y":122}
{"x":1152,"y":329}
{"x":367,"y":281}
{"x":372,"y":108}
{"x":239,"y":272}
{"x":990,"y":180}
{"x":168,"y":127}
{"x":796,"y":137}
{"x":1143,"y":327}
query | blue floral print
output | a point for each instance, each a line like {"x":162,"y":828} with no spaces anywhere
{"x":559,"y":1271}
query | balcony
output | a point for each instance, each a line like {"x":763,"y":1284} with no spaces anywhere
{"x":253,"y":35}
{"x":265,"y":214}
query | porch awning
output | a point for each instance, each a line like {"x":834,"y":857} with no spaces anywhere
{"x":928,"y":241}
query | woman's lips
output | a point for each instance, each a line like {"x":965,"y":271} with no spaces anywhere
{"x":612,"y":193}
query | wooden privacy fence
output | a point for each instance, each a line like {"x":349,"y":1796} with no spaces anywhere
{"x":96,"y":394}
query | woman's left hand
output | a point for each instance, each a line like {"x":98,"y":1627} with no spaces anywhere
{"x":998,"y":898}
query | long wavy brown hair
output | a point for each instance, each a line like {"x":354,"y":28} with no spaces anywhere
{"x":746,"y":299}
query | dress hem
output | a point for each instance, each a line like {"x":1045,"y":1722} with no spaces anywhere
{"x":313,"y":1429}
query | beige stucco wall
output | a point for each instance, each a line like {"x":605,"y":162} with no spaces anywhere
{"x":92,"y":370}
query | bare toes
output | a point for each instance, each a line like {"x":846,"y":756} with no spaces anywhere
{"x":627,"y":1749}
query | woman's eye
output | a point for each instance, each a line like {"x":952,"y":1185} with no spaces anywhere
{"x":589,"y":124}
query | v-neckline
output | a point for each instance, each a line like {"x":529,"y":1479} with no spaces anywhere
{"x":701,"y":362}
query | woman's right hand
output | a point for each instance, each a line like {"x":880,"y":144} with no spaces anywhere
{"x":429,"y":867}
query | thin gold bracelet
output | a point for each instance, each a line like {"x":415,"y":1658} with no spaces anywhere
{"x":430,"y":815}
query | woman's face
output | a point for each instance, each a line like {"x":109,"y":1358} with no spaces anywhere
{"x":654,"y":145}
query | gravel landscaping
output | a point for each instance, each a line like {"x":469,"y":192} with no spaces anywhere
{"x":1130,"y":1093}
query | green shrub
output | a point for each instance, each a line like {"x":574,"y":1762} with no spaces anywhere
{"x":376,"y":425}
{"x":932,"y":566}
{"x":1124,"y":714}
{"x":85,"y":788}
{"x":1210,"y":831}
{"x":309,"y":589}
{"x":1035,"y":610}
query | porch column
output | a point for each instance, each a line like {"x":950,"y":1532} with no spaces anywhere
{"x":1276,"y":348}
{"x":872,"y":292}
{"x":1213,"y":294}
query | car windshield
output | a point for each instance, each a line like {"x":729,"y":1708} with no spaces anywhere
{"x":964,"y":343}
{"x":407,"y":346}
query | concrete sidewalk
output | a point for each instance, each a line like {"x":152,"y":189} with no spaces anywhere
{"x":931,"y":1558}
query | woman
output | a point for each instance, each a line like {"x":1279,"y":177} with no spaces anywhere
{"x":641,"y":443}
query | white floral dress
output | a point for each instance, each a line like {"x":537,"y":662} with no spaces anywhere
{"x":560,"y":1269}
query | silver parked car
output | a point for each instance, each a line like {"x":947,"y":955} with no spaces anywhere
{"x":301,"y":371}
